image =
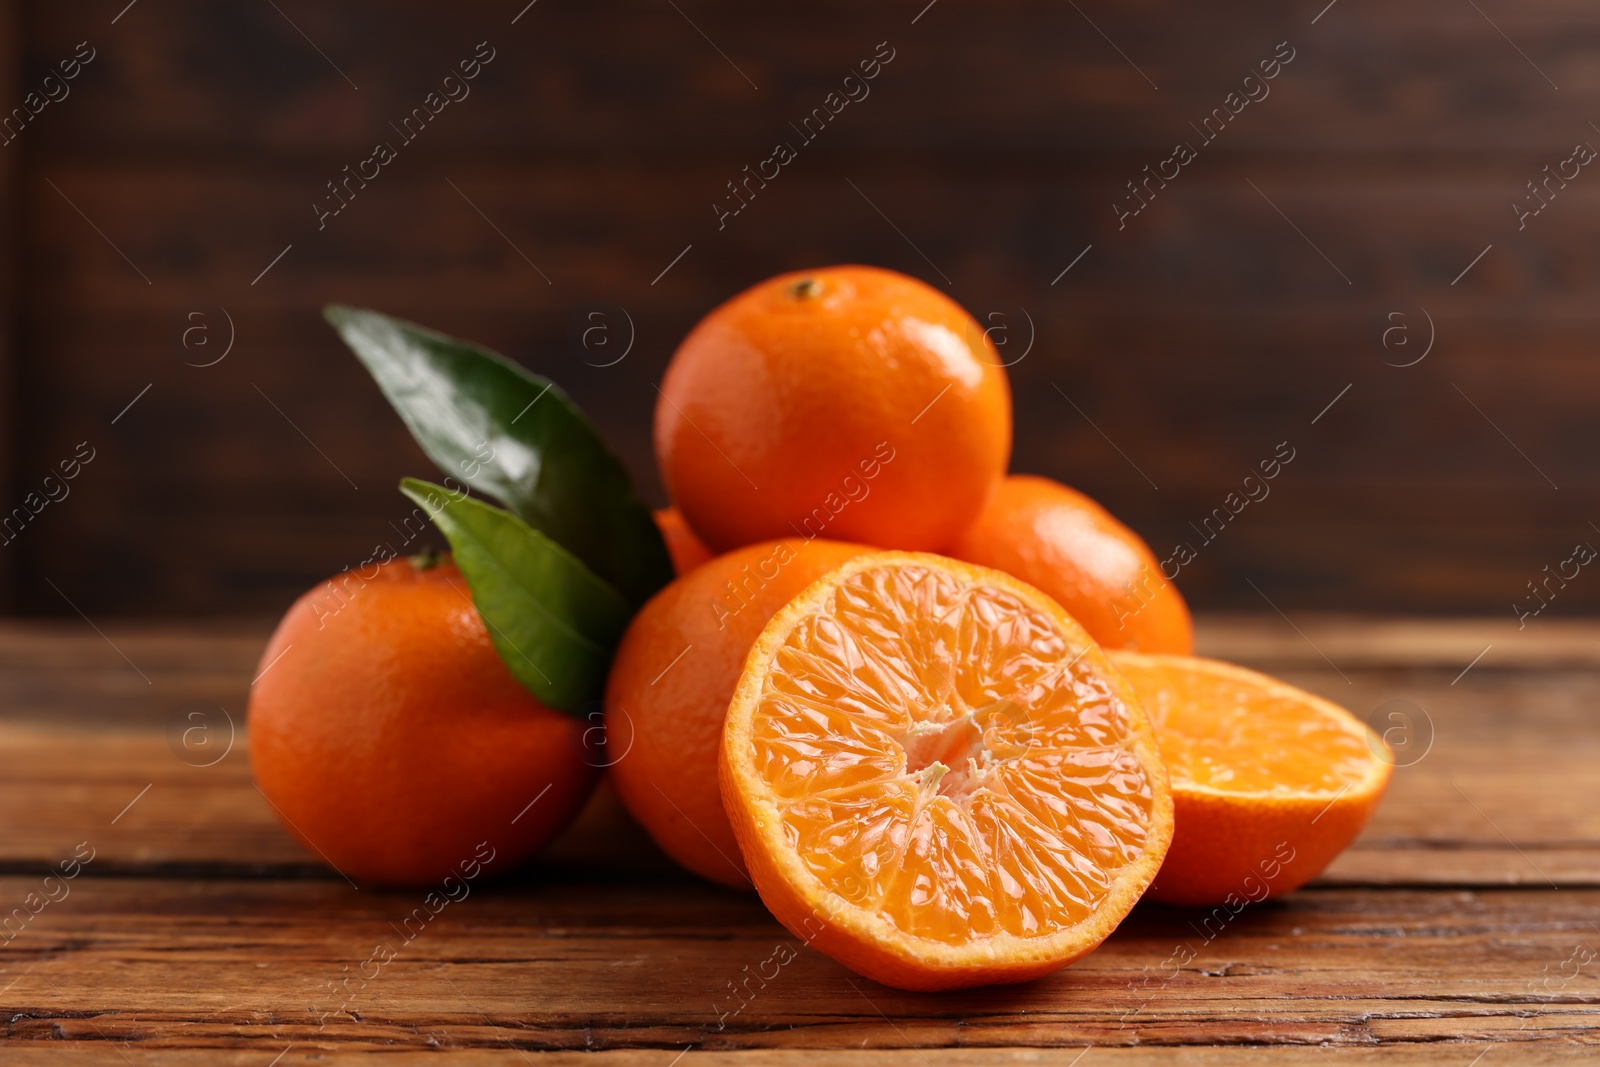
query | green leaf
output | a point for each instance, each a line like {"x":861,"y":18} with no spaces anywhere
{"x":554,"y":623}
{"x":515,"y":436}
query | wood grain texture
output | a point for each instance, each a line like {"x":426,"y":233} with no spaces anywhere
{"x":178,"y":963}
{"x":12,"y":227}
{"x":1437,"y":1054}
{"x":1461,"y":921}
{"x":1176,"y":354}
{"x":91,"y":721}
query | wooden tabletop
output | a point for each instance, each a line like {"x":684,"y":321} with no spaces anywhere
{"x":1460,"y":929}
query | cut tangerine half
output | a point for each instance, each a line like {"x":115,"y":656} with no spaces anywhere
{"x":1269,"y":782}
{"x":937,"y":778}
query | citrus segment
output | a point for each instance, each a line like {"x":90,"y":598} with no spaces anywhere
{"x":1270,"y":783}
{"x":936,"y":777}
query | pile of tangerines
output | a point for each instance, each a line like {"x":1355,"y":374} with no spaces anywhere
{"x":946,"y":721}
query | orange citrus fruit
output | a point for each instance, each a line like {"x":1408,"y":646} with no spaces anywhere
{"x":852,"y":403}
{"x":937,"y":778}
{"x":669,"y":689}
{"x":1270,"y":782}
{"x":391,"y":740}
{"x":1106,"y":577}
{"x":687,"y":550}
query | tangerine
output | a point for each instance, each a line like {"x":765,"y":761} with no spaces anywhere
{"x":1269,"y":783}
{"x":669,"y":687}
{"x":937,"y":778}
{"x":848,"y":402}
{"x":1061,"y":541}
{"x":687,"y":550}
{"x":391,"y":740}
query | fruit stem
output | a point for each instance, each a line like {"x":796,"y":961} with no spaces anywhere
{"x":805,"y":289}
{"x":427,"y":559}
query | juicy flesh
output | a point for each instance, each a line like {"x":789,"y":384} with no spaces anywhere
{"x":940,"y":760}
{"x":1225,"y":733}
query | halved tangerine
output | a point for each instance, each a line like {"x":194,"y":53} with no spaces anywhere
{"x":1270,"y":783}
{"x":937,"y":778}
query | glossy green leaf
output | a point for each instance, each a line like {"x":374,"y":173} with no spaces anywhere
{"x":515,"y":436}
{"x":554,"y":623}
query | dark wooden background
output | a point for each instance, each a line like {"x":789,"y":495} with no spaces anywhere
{"x":189,"y":152}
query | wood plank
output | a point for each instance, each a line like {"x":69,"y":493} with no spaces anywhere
{"x":1001,"y":135}
{"x":1209,"y":246}
{"x":11,"y":235}
{"x":163,"y":963}
{"x":603,"y":947}
{"x":206,"y":497}
{"x":1378,"y":642}
{"x":1024,"y":75}
{"x":1484,"y":795}
{"x":1442,"y":1053}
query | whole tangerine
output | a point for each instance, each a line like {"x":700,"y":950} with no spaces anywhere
{"x":687,"y":550}
{"x":670,"y":684}
{"x":390,"y":739}
{"x":849,"y":402}
{"x":1056,"y":538}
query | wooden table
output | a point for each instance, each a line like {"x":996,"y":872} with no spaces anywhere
{"x":1460,"y":929}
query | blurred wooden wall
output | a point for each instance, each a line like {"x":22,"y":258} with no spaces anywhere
{"x":1174,"y":356}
